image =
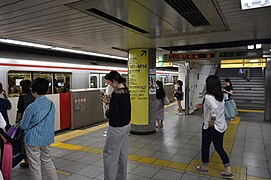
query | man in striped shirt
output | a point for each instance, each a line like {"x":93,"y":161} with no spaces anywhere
{"x":38,"y":124}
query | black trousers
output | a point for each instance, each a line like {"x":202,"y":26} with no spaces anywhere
{"x":212,"y":135}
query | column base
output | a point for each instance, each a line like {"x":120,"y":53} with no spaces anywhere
{"x":142,"y":133}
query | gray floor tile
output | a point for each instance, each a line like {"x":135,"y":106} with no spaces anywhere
{"x":77,"y":177}
{"x":145,"y":171}
{"x":167,"y":174}
{"x":91,"y":171}
{"x":89,"y":159}
{"x":131,"y":166}
{"x":61,"y":162}
{"x":190,"y":176}
{"x":21,"y":177}
{"x":163,"y":155}
{"x":255,"y":163}
{"x":134,"y":177}
{"x":182,"y":159}
{"x":258,"y":172}
{"x":75,"y":155}
{"x":144,"y":152}
{"x":73,"y":167}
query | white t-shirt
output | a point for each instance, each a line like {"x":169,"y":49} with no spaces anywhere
{"x":214,"y":108}
{"x":2,"y":122}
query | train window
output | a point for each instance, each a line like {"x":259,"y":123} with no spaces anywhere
{"x":14,"y":79}
{"x":163,"y":79}
{"x":103,"y":84}
{"x":62,"y":82}
{"x":93,"y":81}
{"x":126,"y":77}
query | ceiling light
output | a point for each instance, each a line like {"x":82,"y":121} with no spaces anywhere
{"x":10,"y":41}
{"x":258,"y":46}
{"x":22,"y":43}
{"x":250,"y":46}
{"x":254,"y":60}
{"x":250,"y":4}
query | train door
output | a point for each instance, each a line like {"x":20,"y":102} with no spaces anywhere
{"x":102,"y":81}
{"x":94,"y":81}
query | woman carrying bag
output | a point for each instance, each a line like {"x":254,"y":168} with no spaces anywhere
{"x":38,"y":123}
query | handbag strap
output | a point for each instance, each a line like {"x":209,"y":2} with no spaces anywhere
{"x":40,"y":120}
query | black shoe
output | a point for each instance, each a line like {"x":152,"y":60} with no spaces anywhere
{"x":24,"y":165}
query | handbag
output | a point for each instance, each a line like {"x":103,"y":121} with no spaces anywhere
{"x":166,"y":101}
{"x":6,"y":159}
{"x":17,"y":152}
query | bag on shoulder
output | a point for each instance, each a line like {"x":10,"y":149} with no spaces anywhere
{"x":166,"y":101}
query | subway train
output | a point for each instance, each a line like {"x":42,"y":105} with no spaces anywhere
{"x":63,"y":76}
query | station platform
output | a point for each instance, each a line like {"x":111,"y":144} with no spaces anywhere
{"x":169,"y":154}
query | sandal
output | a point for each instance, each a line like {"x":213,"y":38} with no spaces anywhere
{"x":200,"y":170}
{"x":226,"y":176}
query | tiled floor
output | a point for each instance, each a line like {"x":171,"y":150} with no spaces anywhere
{"x":171,"y":153}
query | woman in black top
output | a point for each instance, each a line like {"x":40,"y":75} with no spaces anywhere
{"x":227,"y":91}
{"x":230,"y":109}
{"x":115,"y":153}
{"x":25,"y":99}
{"x":160,"y":94}
{"x":179,"y":95}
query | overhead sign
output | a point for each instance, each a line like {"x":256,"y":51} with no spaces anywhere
{"x":243,"y":63}
{"x":187,"y":56}
{"x":240,"y":54}
{"x":251,"y":4}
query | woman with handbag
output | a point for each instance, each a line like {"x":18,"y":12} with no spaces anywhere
{"x":179,"y":96}
{"x":38,"y":124}
{"x":160,"y":95}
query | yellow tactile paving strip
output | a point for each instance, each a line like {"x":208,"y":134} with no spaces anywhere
{"x":248,"y":110}
{"x":215,"y":166}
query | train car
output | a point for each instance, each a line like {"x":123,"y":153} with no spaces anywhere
{"x":63,"y":75}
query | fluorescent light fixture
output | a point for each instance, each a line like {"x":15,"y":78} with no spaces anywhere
{"x":10,"y":41}
{"x":258,"y":46}
{"x":254,"y":60}
{"x":22,"y":43}
{"x":251,"y":4}
{"x":250,"y":46}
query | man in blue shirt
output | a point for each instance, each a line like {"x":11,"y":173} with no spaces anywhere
{"x":38,"y":124}
{"x":4,"y":106}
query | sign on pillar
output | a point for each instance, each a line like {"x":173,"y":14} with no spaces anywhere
{"x":138,"y":85}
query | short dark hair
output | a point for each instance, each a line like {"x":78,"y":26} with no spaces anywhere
{"x":40,"y":86}
{"x":180,"y":82}
{"x":159,"y":84}
{"x":213,"y":87}
{"x":106,"y":77}
{"x":114,"y":75}
{"x":26,"y":85}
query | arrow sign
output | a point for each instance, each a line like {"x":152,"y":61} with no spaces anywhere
{"x":143,"y":52}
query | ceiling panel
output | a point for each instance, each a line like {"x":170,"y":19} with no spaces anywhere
{"x":67,"y":23}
